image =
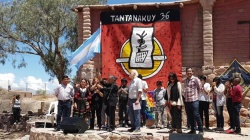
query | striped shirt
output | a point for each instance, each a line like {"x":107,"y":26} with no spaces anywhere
{"x":17,"y":104}
{"x":192,"y":88}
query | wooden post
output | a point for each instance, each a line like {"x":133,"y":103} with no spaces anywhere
{"x":42,"y":107}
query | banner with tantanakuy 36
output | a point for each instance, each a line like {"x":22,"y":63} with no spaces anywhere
{"x":147,"y":41}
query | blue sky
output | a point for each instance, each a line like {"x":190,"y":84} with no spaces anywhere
{"x":33,"y":76}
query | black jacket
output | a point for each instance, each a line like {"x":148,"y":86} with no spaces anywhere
{"x":110,"y":92}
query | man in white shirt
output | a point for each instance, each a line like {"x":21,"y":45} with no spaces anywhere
{"x":135,"y":91}
{"x":143,"y":100}
{"x":64,"y":93}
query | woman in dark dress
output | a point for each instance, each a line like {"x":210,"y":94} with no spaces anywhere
{"x":81,"y":101}
{"x":109,"y":91}
{"x":96,"y":106}
{"x":175,"y":101}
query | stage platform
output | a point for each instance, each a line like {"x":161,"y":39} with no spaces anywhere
{"x":122,"y":134}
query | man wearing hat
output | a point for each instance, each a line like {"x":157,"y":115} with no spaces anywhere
{"x":123,"y":101}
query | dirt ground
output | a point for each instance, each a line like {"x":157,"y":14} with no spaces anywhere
{"x":11,"y":135}
{"x":27,"y":104}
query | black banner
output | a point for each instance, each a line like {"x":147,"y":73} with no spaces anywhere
{"x":116,"y":17}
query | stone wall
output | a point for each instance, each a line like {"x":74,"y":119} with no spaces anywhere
{"x":191,"y":29}
{"x":231,"y":39}
{"x":87,"y":70}
{"x":44,"y":134}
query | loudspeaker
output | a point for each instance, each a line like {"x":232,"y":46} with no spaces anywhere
{"x":182,"y":136}
{"x":73,"y":125}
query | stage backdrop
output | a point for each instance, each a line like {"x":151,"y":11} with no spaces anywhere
{"x":147,"y":41}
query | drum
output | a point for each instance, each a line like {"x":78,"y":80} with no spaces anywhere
{"x":150,"y":123}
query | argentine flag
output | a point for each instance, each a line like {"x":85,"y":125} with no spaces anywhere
{"x":87,"y":50}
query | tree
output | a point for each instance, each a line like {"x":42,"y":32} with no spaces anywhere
{"x":46,"y":28}
{"x":41,"y":92}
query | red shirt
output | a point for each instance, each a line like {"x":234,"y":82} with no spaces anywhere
{"x":236,"y":93}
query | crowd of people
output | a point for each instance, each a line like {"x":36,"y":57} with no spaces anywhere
{"x":99,"y":99}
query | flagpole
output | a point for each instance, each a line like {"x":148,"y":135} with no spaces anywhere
{"x":99,"y":57}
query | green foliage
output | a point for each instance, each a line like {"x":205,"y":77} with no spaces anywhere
{"x":41,"y":92}
{"x":38,"y":27}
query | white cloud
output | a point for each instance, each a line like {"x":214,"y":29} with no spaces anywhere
{"x":29,"y":83}
{"x":6,"y":78}
{"x":32,"y":83}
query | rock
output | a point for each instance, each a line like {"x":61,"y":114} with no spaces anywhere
{"x":247,"y":120}
{"x":5,"y":111}
{"x":242,"y":125}
{"x":207,"y":72}
{"x":247,"y":67}
{"x":26,"y":137}
{"x":226,"y":117}
{"x":247,"y":124}
{"x":210,"y":77}
{"x":117,"y":137}
{"x":212,"y":121}
{"x":246,"y":102}
{"x":244,"y":112}
{"x":243,"y":109}
{"x":248,"y":94}
{"x":46,"y":134}
{"x":211,"y":112}
{"x":220,"y":70}
{"x":242,"y":119}
{"x":30,"y":113}
{"x":165,"y":137}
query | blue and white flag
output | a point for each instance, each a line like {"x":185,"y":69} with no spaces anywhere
{"x":87,"y":50}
